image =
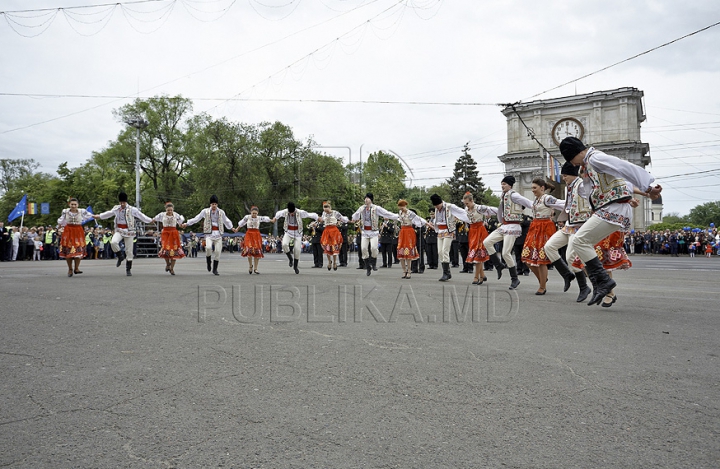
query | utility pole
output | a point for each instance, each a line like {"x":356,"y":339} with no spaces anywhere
{"x":138,"y":123}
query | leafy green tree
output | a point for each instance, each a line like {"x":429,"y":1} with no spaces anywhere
{"x":13,"y":170}
{"x":704,"y":214}
{"x":384,"y":176}
{"x":466,"y":178}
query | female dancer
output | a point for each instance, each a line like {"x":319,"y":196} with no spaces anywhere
{"x":477,"y":254}
{"x":407,"y":241}
{"x":541,"y":229}
{"x":72,"y":241}
{"x":171,"y":245}
{"x":252,"y":246}
{"x":331,"y":240}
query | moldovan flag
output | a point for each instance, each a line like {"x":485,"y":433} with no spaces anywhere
{"x":19,"y":209}
{"x":32,"y":208}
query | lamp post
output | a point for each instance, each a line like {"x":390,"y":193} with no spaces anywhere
{"x":138,"y":123}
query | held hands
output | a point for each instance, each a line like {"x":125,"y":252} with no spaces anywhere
{"x":184,"y":225}
{"x":634,"y":202}
{"x":654,"y":193}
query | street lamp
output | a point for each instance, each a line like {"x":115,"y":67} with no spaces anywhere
{"x":138,"y":123}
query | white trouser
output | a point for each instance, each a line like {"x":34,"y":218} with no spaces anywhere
{"x":115,"y":245}
{"x":14,"y":251}
{"x":508,"y":243}
{"x":369,"y":244}
{"x":553,"y":245}
{"x":444,"y":245}
{"x":213,"y":247}
{"x":592,"y":232}
{"x":296,"y":248}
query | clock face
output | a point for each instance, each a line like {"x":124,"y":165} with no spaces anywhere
{"x":567,"y":127}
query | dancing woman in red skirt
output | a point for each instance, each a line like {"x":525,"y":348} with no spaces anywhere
{"x":72,"y":241}
{"x":331,"y":240}
{"x":477,"y":254}
{"x":407,"y":241}
{"x":252,"y":245}
{"x":171,"y":245}
{"x":541,"y":229}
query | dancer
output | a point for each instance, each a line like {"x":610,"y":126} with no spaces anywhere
{"x":331,"y":240}
{"x":293,"y":230}
{"x":444,"y":224}
{"x":124,"y":230}
{"x":407,"y":241}
{"x":575,"y":212}
{"x":509,"y":215}
{"x":214,"y":224}
{"x":369,"y":214}
{"x":72,"y":242}
{"x":477,"y":254}
{"x":252,"y":245}
{"x":171,"y":245}
{"x":541,"y":230}
{"x":605,"y":184}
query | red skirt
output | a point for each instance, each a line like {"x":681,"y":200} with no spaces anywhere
{"x":476,"y":249}
{"x":72,"y":242}
{"x":171,"y":245}
{"x":331,"y":240}
{"x":407,"y":244}
{"x":610,"y":252}
{"x":252,"y":246}
{"x":533,"y":253}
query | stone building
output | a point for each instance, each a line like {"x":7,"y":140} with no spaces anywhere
{"x":608,"y":120}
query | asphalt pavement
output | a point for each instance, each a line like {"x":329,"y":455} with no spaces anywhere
{"x":340,"y":370}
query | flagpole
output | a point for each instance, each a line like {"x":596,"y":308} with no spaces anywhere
{"x":22,"y":218}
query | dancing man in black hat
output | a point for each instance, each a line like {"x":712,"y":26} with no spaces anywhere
{"x":293,"y":227}
{"x":605,"y":184}
{"x":510,"y":216}
{"x":125,"y":216}
{"x":444,"y":224}
{"x":369,"y":214}
{"x":214,"y":224}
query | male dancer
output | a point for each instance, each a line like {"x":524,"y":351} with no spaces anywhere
{"x":124,"y":229}
{"x":293,"y":230}
{"x":604,"y":183}
{"x":369,"y":214}
{"x":444,"y":223}
{"x":214,"y":223}
{"x":510,"y":216}
{"x":574,"y":213}
{"x":431,"y":243}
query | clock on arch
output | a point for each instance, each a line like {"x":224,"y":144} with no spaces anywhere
{"x":567,"y":127}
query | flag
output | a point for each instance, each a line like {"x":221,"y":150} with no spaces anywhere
{"x":19,"y":209}
{"x":90,"y":210}
{"x":32,"y":208}
{"x":45,"y":208}
{"x":556,"y":167}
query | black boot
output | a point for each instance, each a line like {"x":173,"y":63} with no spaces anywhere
{"x":514,"y":281}
{"x":446,"y":272}
{"x":215,"y":266}
{"x":368,"y":266}
{"x":209,"y":263}
{"x":120,"y":258}
{"x":290,"y":259}
{"x":564,"y":272}
{"x":497,"y":263}
{"x":373,"y":262}
{"x":295,"y":266}
{"x":128,"y":268}
{"x":602,"y":281}
{"x":584,"y":289}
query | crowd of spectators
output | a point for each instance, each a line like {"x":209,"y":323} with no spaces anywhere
{"x":674,"y":243}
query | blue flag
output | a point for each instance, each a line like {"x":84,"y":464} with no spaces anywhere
{"x":45,"y":208}
{"x":90,"y":210}
{"x":19,"y":210}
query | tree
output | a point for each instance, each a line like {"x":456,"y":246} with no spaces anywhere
{"x":13,"y":170}
{"x":703,"y":215}
{"x":674,"y":218}
{"x":384,"y":176}
{"x":466,"y":178}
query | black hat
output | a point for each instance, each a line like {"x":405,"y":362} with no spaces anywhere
{"x":370,"y":196}
{"x":213,"y":199}
{"x":291,"y":207}
{"x":569,"y":169}
{"x":435,"y":199}
{"x":570,"y":147}
{"x":509,"y":180}
{"x":122,"y":197}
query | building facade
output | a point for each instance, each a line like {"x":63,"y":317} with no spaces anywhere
{"x":607,"y":120}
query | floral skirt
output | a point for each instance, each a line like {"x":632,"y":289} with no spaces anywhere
{"x":171,"y":246}
{"x":72,"y":242}
{"x":477,"y":253}
{"x":407,"y":244}
{"x":533,"y":253}
{"x":331,"y":240}
{"x":252,"y":245}
{"x":611,"y":253}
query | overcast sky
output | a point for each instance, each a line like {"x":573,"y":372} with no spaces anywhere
{"x":462,"y":51}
